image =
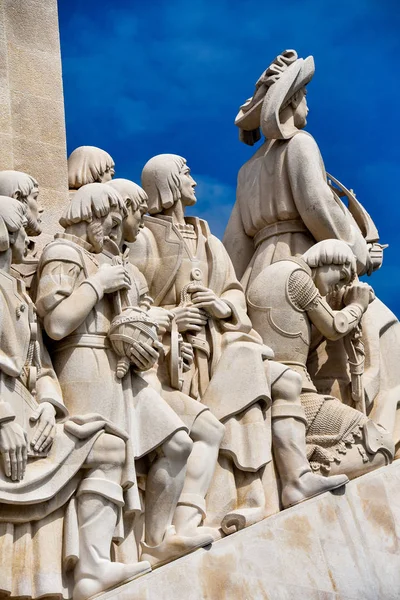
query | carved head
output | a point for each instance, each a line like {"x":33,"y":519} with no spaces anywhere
{"x":12,"y":228}
{"x":333,"y":265}
{"x":135,"y":199}
{"x":101,"y":209}
{"x":166,"y":179}
{"x":281,"y":86}
{"x":88,"y":164}
{"x":25,"y":188}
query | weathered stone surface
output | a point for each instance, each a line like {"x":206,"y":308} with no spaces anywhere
{"x":333,"y":547}
{"x":32,"y":126}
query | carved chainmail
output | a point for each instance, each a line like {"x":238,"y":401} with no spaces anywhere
{"x":301,"y":289}
{"x":327,"y":414}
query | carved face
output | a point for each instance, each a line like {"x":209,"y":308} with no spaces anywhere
{"x":107,"y":175}
{"x":187,"y":185}
{"x":330,"y":278}
{"x":133,"y":223}
{"x":301,"y":110}
{"x":19,"y":244}
{"x":108,"y":226}
{"x":34,"y":213}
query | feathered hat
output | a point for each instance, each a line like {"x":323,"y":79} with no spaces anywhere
{"x":285,"y":76}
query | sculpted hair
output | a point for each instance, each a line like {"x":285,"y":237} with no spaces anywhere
{"x":332,"y":252}
{"x":16,"y":181}
{"x":87,"y":164}
{"x":130,"y":191}
{"x":94,"y":200}
{"x":160,"y":181}
{"x":12,"y":218}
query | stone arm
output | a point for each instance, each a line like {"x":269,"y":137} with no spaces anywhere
{"x":332,"y":324}
{"x":323,"y":214}
{"x":62,"y":303}
{"x":238,"y":244}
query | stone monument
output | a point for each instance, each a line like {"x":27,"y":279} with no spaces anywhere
{"x":182,"y":418}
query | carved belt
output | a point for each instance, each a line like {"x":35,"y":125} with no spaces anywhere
{"x":83,"y":340}
{"x":279,"y":228}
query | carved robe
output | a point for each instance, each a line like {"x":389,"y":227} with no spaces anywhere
{"x":32,"y":510}
{"x":236,"y":373}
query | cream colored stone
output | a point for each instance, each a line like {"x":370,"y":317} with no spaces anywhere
{"x":315,"y":550}
{"x":39,"y":72}
{"x":46,"y":162}
{"x":37,"y":118}
{"x":189,"y":274}
{"x":6,"y":151}
{"x":31,"y":99}
{"x":32,"y":24}
{"x":286,"y":202}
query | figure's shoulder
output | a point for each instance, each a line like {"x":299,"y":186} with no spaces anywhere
{"x":61,"y":250}
{"x":302,"y":142}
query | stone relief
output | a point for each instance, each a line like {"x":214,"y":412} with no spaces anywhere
{"x":161,"y":389}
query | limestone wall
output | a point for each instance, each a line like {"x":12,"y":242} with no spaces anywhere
{"x":32,"y":125}
{"x":329,"y":548}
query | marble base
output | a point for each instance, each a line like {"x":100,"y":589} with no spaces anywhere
{"x":330,"y":548}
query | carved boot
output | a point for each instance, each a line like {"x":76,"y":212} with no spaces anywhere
{"x":99,"y":501}
{"x":189,"y":515}
{"x":299,"y":483}
{"x":173,"y":546}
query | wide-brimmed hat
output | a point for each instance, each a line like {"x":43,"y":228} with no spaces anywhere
{"x":284,"y":77}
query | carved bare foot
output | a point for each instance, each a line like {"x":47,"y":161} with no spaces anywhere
{"x":239,"y":519}
{"x":110,"y":575}
{"x":309,"y":485}
{"x":173,"y":546}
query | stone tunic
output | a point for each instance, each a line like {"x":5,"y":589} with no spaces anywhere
{"x":86,"y":365}
{"x":284,"y":206}
{"x":236,"y":371}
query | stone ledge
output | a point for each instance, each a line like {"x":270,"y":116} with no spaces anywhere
{"x":330,"y":548}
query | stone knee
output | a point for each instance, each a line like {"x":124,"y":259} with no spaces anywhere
{"x":178,"y":447}
{"x":208,"y":429}
{"x":107,"y":451}
{"x":286,"y":386}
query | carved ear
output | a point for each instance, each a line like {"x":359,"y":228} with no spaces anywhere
{"x":4,"y":236}
{"x":17,"y":195}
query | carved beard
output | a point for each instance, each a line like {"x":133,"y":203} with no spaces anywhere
{"x":32,"y":228}
{"x":95,"y":236}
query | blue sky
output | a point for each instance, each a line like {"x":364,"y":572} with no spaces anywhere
{"x":142,"y":78}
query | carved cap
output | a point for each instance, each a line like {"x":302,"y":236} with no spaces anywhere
{"x":284,"y":77}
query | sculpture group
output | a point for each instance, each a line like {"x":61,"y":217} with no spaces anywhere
{"x":161,"y":389}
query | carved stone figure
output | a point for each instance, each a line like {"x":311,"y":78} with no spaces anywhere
{"x":285,"y":205}
{"x":88,"y":164}
{"x":204,"y":428}
{"x":50,"y":461}
{"x":340,"y":439}
{"x":190,"y":274}
{"x":80,"y":281}
{"x":25,"y":188}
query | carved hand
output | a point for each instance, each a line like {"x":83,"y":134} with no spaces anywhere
{"x":187,"y":355}
{"x":144,"y":356}
{"x":112,"y":278}
{"x":45,"y":432}
{"x":359,"y":293}
{"x":162,"y":317}
{"x":205,"y":298}
{"x":189,"y":318}
{"x":13,"y":448}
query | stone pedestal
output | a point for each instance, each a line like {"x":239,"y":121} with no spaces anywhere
{"x":32,"y":125}
{"x":330,"y":548}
